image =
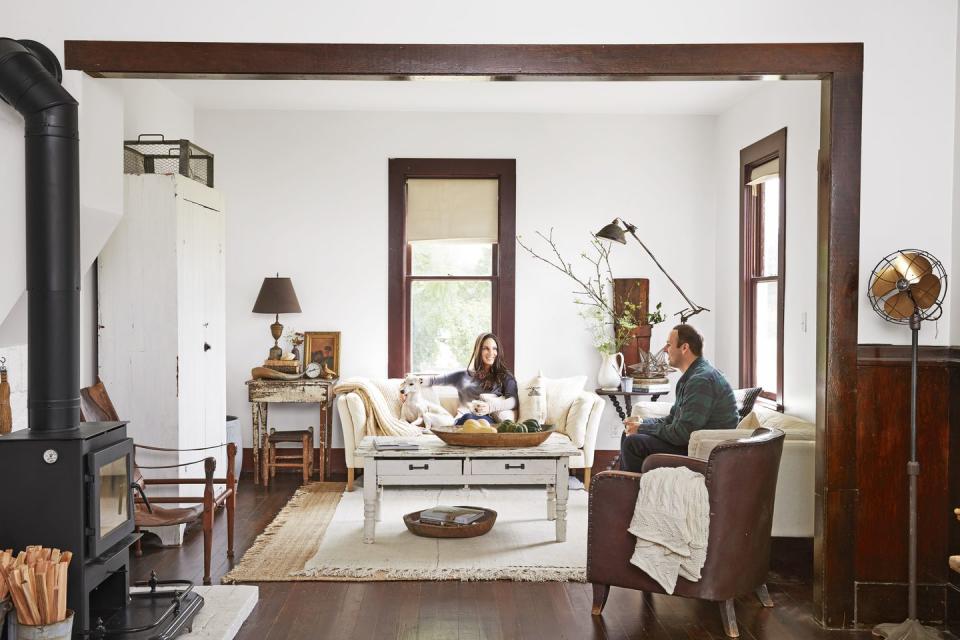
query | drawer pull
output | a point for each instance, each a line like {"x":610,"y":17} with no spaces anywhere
{"x":424,"y":467}
{"x":514,"y":466}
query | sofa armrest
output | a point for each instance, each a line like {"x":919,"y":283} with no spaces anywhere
{"x":353,"y":417}
{"x":658,"y":460}
{"x":583,"y":423}
{"x":703,"y":441}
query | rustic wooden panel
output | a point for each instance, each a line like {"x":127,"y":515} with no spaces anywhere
{"x":637,"y":291}
{"x":119,"y":59}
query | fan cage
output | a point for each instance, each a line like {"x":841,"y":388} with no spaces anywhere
{"x":933,"y":312}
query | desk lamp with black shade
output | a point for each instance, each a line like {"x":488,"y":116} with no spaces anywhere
{"x":615,"y":232}
{"x":276,"y":296}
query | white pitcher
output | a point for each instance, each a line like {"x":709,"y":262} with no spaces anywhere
{"x":610,"y":371}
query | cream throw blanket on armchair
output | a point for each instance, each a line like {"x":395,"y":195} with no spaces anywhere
{"x":671,"y":521}
{"x":380,"y":422}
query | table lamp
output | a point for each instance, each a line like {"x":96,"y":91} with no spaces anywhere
{"x":276,"y":296}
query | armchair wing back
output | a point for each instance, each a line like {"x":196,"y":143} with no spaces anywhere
{"x":741,"y":480}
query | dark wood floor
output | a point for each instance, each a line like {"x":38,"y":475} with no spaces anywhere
{"x":475,"y":610}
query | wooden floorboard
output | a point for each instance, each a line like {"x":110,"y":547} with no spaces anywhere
{"x":498,"y":610}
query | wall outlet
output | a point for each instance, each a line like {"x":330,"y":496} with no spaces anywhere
{"x":803,"y":321}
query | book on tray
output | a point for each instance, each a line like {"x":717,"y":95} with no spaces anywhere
{"x":394,"y":445}
{"x":450,"y":516}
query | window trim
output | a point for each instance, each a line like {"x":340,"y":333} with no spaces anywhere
{"x":764,"y":150}
{"x":504,"y":255}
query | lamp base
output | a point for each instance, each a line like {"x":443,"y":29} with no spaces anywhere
{"x":275,"y":353}
{"x":909,"y":629}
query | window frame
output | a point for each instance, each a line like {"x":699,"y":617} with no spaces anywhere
{"x":751,"y":242}
{"x":503,"y":276}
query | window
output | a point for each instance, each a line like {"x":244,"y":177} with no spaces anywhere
{"x":762,"y":245}
{"x":451,"y":260}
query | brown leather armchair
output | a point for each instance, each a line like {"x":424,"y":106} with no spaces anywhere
{"x":741,"y":479}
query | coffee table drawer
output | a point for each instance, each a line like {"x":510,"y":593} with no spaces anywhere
{"x":419,"y":467}
{"x":516,"y":466}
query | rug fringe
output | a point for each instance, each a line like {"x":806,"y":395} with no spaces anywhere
{"x":518,"y":574}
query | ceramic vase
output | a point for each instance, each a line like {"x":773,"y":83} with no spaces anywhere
{"x":611,"y":369}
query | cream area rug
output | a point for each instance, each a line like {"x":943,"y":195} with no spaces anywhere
{"x":309,"y":540}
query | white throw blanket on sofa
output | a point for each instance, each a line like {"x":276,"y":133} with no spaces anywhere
{"x":379,"y":419}
{"x":671,"y":521}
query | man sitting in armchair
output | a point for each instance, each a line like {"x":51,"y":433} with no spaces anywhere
{"x":704,"y":401}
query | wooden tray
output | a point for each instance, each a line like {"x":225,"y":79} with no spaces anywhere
{"x":476,"y":528}
{"x":502,"y":440}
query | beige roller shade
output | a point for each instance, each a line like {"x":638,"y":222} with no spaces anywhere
{"x":462,"y":209}
{"x":764,"y":172}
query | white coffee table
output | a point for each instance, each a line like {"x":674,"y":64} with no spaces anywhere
{"x":434,"y":462}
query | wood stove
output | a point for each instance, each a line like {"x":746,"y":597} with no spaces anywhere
{"x":68,"y":485}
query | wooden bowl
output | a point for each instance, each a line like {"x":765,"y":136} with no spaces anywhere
{"x":476,"y":528}
{"x":502,"y":440}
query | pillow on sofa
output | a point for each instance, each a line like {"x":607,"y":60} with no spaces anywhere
{"x":750,"y":421}
{"x":533,"y":399}
{"x":745,"y":399}
{"x":561,"y":392}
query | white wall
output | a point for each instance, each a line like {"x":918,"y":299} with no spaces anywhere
{"x":796,"y":106}
{"x":150,"y":107}
{"x":909,"y":75}
{"x":307,"y":197}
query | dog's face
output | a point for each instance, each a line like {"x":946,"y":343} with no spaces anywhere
{"x":410,"y":386}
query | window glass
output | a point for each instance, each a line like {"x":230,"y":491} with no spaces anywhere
{"x":765,"y":335}
{"x":770,"y":227}
{"x":446,"y":316}
{"x":438,"y":258}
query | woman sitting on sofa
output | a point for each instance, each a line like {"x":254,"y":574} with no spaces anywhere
{"x":487,"y":389}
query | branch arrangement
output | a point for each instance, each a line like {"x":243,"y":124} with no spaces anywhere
{"x":611,"y":330}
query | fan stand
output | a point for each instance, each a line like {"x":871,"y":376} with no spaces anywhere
{"x":911,"y":629}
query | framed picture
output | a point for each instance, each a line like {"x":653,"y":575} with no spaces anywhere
{"x":322,"y":347}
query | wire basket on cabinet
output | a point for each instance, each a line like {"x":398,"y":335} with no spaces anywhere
{"x":145,"y":155}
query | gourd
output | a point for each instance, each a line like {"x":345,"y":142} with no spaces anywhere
{"x":478,"y":426}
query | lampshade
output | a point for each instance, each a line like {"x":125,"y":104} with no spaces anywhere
{"x":277,"y":296}
{"x":612,"y":231}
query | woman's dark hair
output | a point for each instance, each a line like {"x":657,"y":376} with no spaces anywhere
{"x":498,"y":372}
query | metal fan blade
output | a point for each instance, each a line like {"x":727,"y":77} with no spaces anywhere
{"x":899,"y":306}
{"x":885,"y":282}
{"x":911,"y":266}
{"x":925,"y":291}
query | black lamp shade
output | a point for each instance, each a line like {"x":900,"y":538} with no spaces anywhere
{"x":277,"y":296}
{"x":612,"y":231}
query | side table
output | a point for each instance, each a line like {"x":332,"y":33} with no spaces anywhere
{"x":628,"y":397}
{"x":261,"y":393}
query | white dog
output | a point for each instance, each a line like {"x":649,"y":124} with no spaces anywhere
{"x":416,"y":409}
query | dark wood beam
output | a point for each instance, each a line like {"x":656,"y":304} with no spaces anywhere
{"x":122,"y":59}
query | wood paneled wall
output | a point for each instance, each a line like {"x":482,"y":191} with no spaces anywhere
{"x":883,"y":445}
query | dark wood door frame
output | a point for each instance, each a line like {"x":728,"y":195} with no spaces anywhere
{"x":839,"y":66}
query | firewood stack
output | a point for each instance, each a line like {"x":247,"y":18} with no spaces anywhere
{"x":36,"y":581}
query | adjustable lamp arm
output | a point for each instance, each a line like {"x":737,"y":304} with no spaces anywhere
{"x":685,"y":314}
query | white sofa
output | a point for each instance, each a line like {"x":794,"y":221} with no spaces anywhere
{"x":576,"y":415}
{"x":793,"y":512}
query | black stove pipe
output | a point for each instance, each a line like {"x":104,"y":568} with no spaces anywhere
{"x":30,"y":78}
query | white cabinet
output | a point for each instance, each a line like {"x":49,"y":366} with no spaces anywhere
{"x":161,"y":316}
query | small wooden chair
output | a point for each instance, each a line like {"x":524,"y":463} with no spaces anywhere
{"x":302,"y":460}
{"x":96,"y":406}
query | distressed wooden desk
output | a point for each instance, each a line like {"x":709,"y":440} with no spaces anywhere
{"x":261,"y":393}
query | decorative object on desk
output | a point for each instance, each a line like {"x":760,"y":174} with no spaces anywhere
{"x":611,"y":330}
{"x":615,"y":232}
{"x":296,"y":340}
{"x":312,"y":370}
{"x":652,"y":366}
{"x":626,"y":384}
{"x":323,"y":347}
{"x":6,"y":414}
{"x":908,"y":287}
{"x":284,"y":365}
{"x":258,"y":373}
{"x":420,"y":524}
{"x":276,"y":296}
{"x":611,"y":370}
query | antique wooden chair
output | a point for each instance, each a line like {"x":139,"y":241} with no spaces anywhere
{"x":96,"y":406}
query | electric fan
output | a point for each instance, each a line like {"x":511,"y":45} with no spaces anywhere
{"x":907,"y":287}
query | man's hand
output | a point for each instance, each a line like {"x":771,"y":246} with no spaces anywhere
{"x":631,"y":425}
